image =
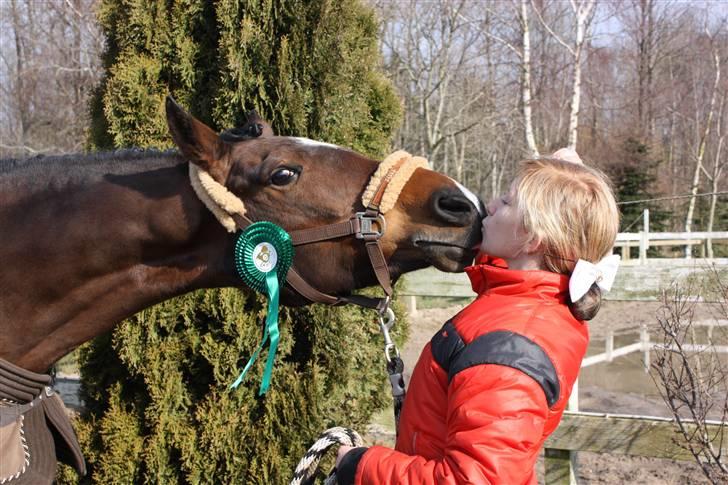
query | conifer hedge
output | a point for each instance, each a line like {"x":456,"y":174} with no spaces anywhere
{"x":158,"y":405}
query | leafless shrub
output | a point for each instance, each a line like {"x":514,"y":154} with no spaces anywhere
{"x":692,"y":375}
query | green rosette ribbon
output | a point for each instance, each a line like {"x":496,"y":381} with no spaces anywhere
{"x":263,"y":255}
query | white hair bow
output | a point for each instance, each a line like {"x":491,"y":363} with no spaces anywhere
{"x":586,"y":273}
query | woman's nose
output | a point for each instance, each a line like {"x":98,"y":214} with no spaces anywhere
{"x":490,"y":208}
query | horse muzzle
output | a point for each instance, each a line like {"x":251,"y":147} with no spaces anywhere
{"x":449,"y":256}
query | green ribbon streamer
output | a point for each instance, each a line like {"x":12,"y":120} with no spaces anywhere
{"x":266,"y":282}
{"x":271,"y":324}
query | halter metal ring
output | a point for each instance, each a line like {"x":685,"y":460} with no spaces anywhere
{"x":367,"y":226}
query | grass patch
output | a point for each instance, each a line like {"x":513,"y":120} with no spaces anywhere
{"x":427,"y":302}
{"x":68,"y":364}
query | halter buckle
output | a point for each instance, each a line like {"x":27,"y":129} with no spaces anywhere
{"x":366,"y":226}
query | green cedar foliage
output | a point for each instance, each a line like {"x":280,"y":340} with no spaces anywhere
{"x":158,"y":405}
{"x":635,"y":179}
{"x":310,"y":68}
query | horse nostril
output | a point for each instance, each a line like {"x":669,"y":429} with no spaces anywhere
{"x":454,"y":207}
{"x":454,"y":204}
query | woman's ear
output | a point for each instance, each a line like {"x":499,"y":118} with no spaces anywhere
{"x":533,"y":245}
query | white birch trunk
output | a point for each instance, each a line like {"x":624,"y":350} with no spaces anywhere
{"x":717,"y":168}
{"x":714,"y":196}
{"x":584,"y":12}
{"x":526,"y":85}
{"x":701,"y":150}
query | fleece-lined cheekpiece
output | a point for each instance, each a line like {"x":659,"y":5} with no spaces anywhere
{"x":221,"y":202}
{"x":398,"y":181}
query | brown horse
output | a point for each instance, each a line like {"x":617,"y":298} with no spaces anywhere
{"x":88,"y":240}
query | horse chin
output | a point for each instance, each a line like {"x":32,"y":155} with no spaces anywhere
{"x":447,"y":257}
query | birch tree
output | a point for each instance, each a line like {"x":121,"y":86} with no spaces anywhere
{"x":583,"y":15}
{"x":522,"y":51}
{"x":716,"y":173}
{"x":526,"y":82}
{"x":700,"y":153}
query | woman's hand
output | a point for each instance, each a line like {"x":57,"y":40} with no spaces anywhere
{"x":567,"y":155}
{"x":343,"y":450}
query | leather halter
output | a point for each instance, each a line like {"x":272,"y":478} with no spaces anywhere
{"x":368,"y":226}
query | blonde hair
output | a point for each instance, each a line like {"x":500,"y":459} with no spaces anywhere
{"x":571,"y":211}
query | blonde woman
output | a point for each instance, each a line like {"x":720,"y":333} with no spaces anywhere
{"x":493,"y":383}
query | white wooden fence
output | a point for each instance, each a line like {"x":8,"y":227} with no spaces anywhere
{"x":644,"y":239}
{"x":634,"y":282}
{"x":645,"y":345}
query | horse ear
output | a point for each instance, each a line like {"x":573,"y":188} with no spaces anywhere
{"x":257,"y":125}
{"x":198,"y":142}
{"x":254,"y":127}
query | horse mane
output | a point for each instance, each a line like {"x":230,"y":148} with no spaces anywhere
{"x":81,"y":166}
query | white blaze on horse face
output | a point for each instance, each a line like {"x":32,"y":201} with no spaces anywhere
{"x":313,"y":143}
{"x":471,"y":197}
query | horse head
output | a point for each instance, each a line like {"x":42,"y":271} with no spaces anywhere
{"x":301,"y":184}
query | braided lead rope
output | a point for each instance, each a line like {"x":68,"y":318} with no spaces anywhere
{"x":306,"y":468}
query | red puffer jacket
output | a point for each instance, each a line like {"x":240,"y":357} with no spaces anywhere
{"x":487,"y":390}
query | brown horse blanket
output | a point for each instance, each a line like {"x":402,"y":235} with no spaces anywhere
{"x":35,"y":430}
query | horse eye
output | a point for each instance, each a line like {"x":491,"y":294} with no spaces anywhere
{"x":283,"y":176}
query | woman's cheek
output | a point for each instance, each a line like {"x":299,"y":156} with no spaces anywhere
{"x":484,"y":234}
{"x":487,"y":234}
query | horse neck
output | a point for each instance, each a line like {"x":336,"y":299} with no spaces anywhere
{"x":99,"y":249}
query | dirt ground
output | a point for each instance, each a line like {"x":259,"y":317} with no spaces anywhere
{"x":592,"y":468}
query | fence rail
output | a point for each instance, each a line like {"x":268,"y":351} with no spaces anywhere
{"x":618,"y":434}
{"x":645,"y":345}
{"x":634,"y":282}
{"x":646,"y":239}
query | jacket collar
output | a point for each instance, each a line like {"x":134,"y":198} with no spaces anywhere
{"x":492,"y":276}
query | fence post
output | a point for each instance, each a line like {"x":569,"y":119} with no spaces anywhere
{"x":609,"y":345}
{"x":559,"y":459}
{"x":645,"y":341}
{"x":557,"y":467}
{"x":410,"y":303}
{"x":645,"y":236}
